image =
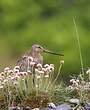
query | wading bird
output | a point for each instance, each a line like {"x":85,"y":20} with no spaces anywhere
{"x":36,"y":54}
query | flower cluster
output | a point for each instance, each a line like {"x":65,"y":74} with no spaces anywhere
{"x":45,"y":71}
{"x":14,"y":83}
{"x":81,"y":86}
{"x":13,"y":76}
{"x":74,"y":84}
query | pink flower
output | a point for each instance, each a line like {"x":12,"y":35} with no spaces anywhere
{"x":46,"y":65}
{"x":32,"y":64}
{"x":6,"y":69}
{"x":72,"y":80}
{"x":16,"y":70}
{"x":30,"y":59}
{"x":39,"y":66}
{"x":17,"y":67}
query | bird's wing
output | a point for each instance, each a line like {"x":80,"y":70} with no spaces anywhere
{"x":22,"y":63}
{"x":38,"y":60}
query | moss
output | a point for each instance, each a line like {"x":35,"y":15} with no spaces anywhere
{"x":36,"y":100}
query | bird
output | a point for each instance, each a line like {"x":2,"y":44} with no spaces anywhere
{"x":35,"y":53}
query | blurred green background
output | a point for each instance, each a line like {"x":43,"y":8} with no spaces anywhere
{"x":48,"y":23}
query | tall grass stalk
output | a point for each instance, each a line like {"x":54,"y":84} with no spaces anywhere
{"x":52,"y":83}
{"x":79,"y":46}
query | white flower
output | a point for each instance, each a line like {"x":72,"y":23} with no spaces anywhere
{"x":36,"y":85}
{"x":38,"y":77}
{"x":5,"y":80}
{"x":24,"y":73}
{"x":18,"y":73}
{"x":1,"y":78}
{"x":77,"y":81}
{"x":15,"y":83}
{"x":51,"y":67}
{"x":88,"y":71}
{"x":10,"y":71}
{"x":2,"y":74}
{"x":32,"y":63}
{"x":17,"y":67}
{"x":44,"y":69}
{"x":36,"y":109}
{"x":14,"y":78}
{"x":71,"y":87}
{"x":15,"y":70}
{"x":75,"y":84}
{"x":72,"y":80}
{"x":46,"y":65}
{"x":39,"y":72}
{"x":62,"y":62}
{"x":30,"y":59}
{"x":39,"y":66}
{"x":36,"y":71}
{"x":6,"y":69}
{"x":9,"y":76}
{"x":46,"y":76}
{"x":29,"y":72}
{"x":1,"y":87}
{"x":0,"y":82}
{"x":17,"y":76}
{"x":48,"y":70}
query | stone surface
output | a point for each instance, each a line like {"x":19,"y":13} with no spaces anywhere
{"x":52,"y":105}
{"x":63,"y":107}
{"x":87,"y":107}
{"x":74,"y":101}
{"x":59,"y":107}
{"x":12,"y":108}
{"x":18,"y":108}
{"x":47,"y":109}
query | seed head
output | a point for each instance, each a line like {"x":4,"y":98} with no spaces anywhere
{"x":61,"y":61}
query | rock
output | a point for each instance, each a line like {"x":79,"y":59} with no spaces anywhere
{"x":63,"y":107}
{"x":59,"y":107}
{"x":18,"y":108}
{"x":87,"y":107}
{"x":51,"y":105}
{"x":12,"y":108}
{"x":47,"y":109}
{"x":36,"y":109}
{"x":74,"y":101}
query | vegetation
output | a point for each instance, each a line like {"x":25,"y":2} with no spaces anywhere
{"x":29,"y":88}
{"x":38,"y":88}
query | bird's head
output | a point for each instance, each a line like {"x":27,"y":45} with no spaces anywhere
{"x":39,"y":49}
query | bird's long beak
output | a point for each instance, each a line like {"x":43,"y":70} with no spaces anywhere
{"x":50,"y":52}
